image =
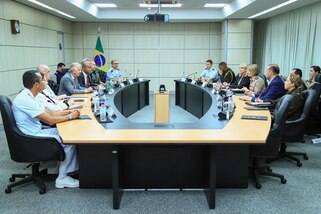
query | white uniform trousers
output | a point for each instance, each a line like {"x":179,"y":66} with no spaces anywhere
{"x":70,"y":164}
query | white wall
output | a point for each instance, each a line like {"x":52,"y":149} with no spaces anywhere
{"x":36,"y":44}
{"x":160,"y":51}
{"x":239,"y":44}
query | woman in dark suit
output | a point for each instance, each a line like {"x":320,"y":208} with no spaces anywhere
{"x":241,"y":79}
{"x":292,"y":85}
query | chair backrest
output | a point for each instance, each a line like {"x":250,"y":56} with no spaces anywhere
{"x":310,"y":101}
{"x":264,"y":78}
{"x":294,"y":130}
{"x":317,"y":88}
{"x":274,"y":139}
{"x":317,"y":78}
{"x":26,"y":148}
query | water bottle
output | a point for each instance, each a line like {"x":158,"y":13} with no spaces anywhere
{"x":96,"y":103}
{"x":230,"y":105}
{"x":102,"y":100}
{"x":102,"y":113}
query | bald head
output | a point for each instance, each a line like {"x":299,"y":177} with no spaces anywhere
{"x":44,"y":69}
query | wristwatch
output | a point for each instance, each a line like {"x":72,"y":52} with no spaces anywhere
{"x":66,"y":102}
{"x":69,"y":116}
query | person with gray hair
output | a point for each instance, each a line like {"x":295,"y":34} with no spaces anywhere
{"x":47,"y":97}
{"x":69,"y":82}
{"x":85,"y":78}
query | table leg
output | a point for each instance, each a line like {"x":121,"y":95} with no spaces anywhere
{"x":210,"y":191}
{"x":117,"y":192}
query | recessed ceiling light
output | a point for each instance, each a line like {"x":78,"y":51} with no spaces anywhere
{"x":51,"y":8}
{"x":171,"y":5}
{"x":215,"y":5}
{"x":148,"y":5}
{"x":272,"y":8}
{"x":162,"y":5}
{"x":103,"y":5}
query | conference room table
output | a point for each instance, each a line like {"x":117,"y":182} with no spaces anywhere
{"x":122,"y":154}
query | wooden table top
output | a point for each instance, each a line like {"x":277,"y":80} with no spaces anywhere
{"x":235,"y":132}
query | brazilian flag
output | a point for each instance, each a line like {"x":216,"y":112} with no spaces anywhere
{"x":99,"y":57}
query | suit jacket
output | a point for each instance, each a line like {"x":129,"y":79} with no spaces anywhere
{"x":82,"y":82}
{"x":296,"y":106}
{"x":70,"y":86}
{"x":240,"y":83}
{"x":274,"y":90}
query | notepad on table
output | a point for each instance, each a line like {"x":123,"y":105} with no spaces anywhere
{"x":253,"y":117}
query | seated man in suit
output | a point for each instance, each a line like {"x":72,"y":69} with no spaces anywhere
{"x":28,"y":113}
{"x":60,"y":72}
{"x":47,"y":97}
{"x":275,"y":87}
{"x":298,"y":71}
{"x":85,"y":78}
{"x":314,"y":69}
{"x":69,"y":82}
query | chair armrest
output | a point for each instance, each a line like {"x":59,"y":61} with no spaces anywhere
{"x":293,"y":122}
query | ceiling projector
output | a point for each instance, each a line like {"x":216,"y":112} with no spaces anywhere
{"x":157,"y":18}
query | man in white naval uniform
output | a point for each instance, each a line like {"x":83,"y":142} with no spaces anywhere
{"x":28,"y":113}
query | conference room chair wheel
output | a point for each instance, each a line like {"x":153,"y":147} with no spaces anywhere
{"x":269,"y":169}
{"x":8,"y":190}
{"x":42,"y":190}
{"x":283,"y":181}
{"x":258,"y":186}
{"x":299,"y":164}
{"x":12,"y":179}
{"x":306,"y":157}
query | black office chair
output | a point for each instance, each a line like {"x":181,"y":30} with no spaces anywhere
{"x":271,"y":147}
{"x":54,"y":86}
{"x":28,"y":149}
{"x":312,"y":126}
{"x":294,"y":130}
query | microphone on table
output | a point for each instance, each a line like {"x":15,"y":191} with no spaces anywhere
{"x":187,"y":77}
{"x":136,"y":76}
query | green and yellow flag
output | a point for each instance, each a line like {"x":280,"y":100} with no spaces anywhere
{"x":99,"y":57}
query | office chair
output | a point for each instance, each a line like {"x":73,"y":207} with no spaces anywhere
{"x":264,"y":78}
{"x":294,"y":130}
{"x":270,"y":149}
{"x":314,"y":119}
{"x":317,"y":128}
{"x":28,"y":149}
{"x":54,"y":86}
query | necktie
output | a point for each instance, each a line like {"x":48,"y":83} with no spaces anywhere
{"x":75,"y":83}
{"x":51,"y":100}
{"x":87,"y":81}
